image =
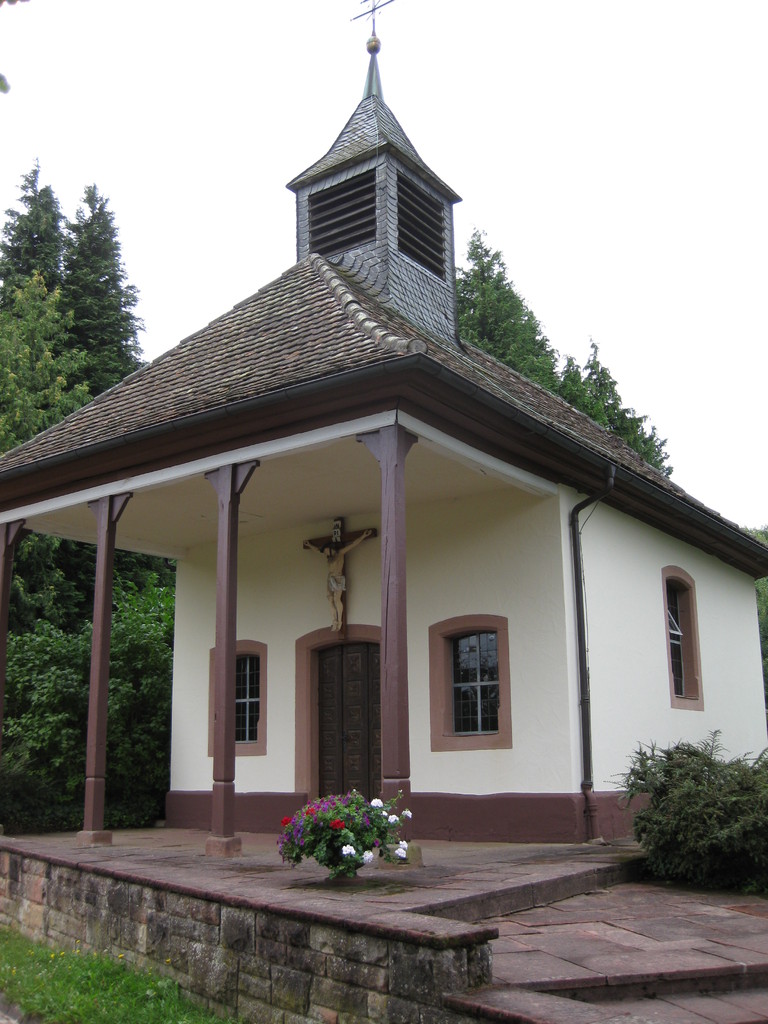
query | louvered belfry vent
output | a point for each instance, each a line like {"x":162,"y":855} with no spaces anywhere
{"x":420,"y":226}
{"x":343,"y":216}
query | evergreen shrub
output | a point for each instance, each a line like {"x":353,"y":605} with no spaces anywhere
{"x":706,"y":818}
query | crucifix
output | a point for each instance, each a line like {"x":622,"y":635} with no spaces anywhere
{"x":333,"y":549}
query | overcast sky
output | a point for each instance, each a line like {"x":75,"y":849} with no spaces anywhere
{"x":615,"y":151}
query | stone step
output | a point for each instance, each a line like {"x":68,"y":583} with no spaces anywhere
{"x":555,"y":882}
{"x":675,"y":980}
{"x":509,"y":1003}
{"x":524,"y":1006}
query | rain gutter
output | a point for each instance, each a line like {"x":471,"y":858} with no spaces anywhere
{"x":587,"y":784}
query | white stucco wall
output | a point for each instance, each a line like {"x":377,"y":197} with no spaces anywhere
{"x":629,"y":677}
{"x":281,"y":596}
{"x":505,"y":554}
{"x":500,"y":555}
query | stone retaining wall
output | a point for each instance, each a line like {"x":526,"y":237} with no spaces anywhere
{"x":259,"y":962}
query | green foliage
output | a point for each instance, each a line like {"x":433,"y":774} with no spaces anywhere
{"x":96,"y":293}
{"x":495,"y":318}
{"x":139,"y":733}
{"x":32,"y":241}
{"x":342,"y":833}
{"x":67,"y":331}
{"x":47,"y":712}
{"x":598,"y":396}
{"x":52,"y":580}
{"x":72,"y":986}
{"x":36,"y":387}
{"x":23,"y":794}
{"x":706,"y":819}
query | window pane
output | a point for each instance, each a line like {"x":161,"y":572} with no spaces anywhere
{"x":465,"y":659}
{"x":676,"y":652}
{"x":465,"y":710}
{"x":489,"y":703}
{"x":675,"y":639}
{"x":475,"y":683}
{"x":489,"y":658}
{"x":246,"y":698}
{"x":253,"y":720}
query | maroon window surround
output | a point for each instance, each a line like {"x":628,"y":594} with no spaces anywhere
{"x":682,"y":638}
{"x":244,"y":648}
{"x":441,"y":637}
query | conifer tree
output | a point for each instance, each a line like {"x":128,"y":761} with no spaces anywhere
{"x":32,"y":240}
{"x":35,"y":384}
{"x":96,"y":292}
{"x":599,"y":398}
{"x":495,"y":318}
{"x":35,"y":392}
{"x":60,"y":344}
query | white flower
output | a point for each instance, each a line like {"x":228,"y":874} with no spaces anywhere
{"x":348,"y":851}
{"x":393,"y":819}
{"x":401,"y":853}
{"x":385,"y":812}
{"x":403,"y":845}
{"x":407,"y":814}
{"x":367,"y":857}
{"x":376,"y":802}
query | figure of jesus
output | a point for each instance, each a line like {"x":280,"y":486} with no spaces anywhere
{"x":337,"y":583}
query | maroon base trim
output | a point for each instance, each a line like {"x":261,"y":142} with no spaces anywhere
{"x":498,"y":817}
{"x":517,"y":817}
{"x":254,"y":812}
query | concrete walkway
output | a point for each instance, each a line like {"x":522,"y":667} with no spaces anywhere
{"x":577,"y":941}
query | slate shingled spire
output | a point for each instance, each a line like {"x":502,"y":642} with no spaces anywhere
{"x":372,"y":207}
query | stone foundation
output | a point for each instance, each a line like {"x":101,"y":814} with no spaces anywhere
{"x":258,"y":962}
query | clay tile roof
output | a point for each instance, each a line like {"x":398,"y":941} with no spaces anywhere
{"x":304,"y":326}
{"x":311,"y":326}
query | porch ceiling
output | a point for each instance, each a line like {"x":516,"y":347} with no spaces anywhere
{"x":312,"y":486}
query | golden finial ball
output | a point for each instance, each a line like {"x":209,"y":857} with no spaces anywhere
{"x":373,"y":45}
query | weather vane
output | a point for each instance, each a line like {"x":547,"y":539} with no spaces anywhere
{"x":376,"y":5}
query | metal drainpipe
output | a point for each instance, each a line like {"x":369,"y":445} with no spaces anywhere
{"x":581,"y":640}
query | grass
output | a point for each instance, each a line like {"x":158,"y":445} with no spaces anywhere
{"x":79,"y":987}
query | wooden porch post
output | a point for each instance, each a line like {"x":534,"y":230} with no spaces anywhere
{"x":10,"y":534}
{"x":107,"y":511}
{"x":229,"y":483}
{"x":390,"y":446}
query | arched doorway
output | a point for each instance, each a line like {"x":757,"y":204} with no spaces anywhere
{"x":349,"y":714}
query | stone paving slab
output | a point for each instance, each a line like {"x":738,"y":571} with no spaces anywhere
{"x":562,"y":922}
{"x":524,"y":1007}
{"x":459,"y":881}
{"x":728,"y":1008}
{"x":634,"y":941}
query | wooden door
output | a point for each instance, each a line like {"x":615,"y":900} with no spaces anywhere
{"x":350,"y":719}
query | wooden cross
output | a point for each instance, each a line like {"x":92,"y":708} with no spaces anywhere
{"x":333,"y":549}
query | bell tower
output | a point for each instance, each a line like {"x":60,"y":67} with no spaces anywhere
{"x":372,"y":207}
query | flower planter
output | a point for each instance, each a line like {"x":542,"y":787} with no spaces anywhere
{"x":343,"y":833}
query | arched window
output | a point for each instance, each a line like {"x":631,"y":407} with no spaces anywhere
{"x":683,"y":658}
